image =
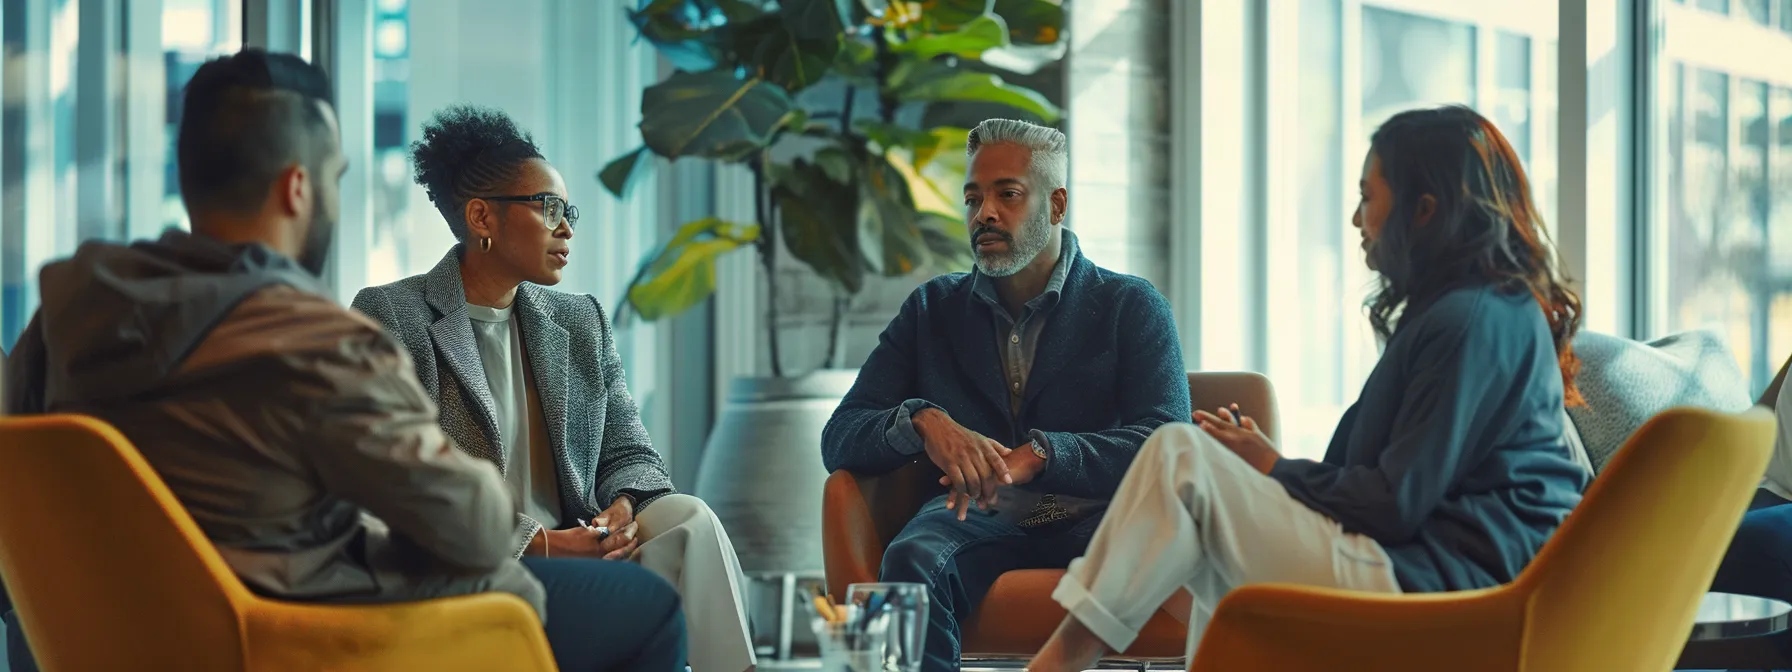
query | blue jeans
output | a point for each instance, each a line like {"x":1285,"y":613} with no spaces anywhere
{"x":959,"y":560}
{"x":610,"y":615}
{"x":1759,"y":561}
{"x":601,"y":616}
{"x":18,"y":657}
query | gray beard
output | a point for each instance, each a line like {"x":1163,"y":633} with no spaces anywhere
{"x":1035,"y":236}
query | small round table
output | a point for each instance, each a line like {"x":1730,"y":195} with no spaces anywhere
{"x":1730,"y":616}
{"x":1737,"y":632}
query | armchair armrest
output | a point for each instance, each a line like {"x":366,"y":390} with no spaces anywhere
{"x":1283,"y":627}
{"x":486,"y":631}
{"x":861,"y":514}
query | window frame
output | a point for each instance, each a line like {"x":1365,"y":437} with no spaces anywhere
{"x":1234,"y":74}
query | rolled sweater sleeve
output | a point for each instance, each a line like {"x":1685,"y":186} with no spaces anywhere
{"x":873,"y":428}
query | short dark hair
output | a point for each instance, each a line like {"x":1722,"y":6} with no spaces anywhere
{"x":468,"y":151}
{"x":244,"y":118}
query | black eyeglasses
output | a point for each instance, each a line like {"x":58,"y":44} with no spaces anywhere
{"x":552,"y":208}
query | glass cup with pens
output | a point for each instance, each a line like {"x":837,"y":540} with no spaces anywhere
{"x":851,"y":637}
{"x":905,"y":606}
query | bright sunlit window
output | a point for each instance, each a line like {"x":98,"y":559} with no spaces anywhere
{"x":1358,"y":64}
{"x":1726,"y":165}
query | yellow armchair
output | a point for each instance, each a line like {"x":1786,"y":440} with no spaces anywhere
{"x":1616,"y":588}
{"x":109,"y":572}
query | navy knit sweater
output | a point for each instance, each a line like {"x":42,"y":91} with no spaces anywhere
{"x":1107,"y":373}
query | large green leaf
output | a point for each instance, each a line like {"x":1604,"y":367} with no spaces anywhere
{"x":712,"y":114}
{"x":680,"y":30}
{"x":776,"y":52}
{"x":946,"y":143}
{"x":739,"y":11}
{"x":945,"y":84}
{"x":947,"y":241}
{"x":892,"y":135}
{"x":835,"y":163}
{"x":1032,"y":21}
{"x":618,"y":176}
{"x":816,"y":213}
{"x":683,"y":273}
{"x":814,"y":19}
{"x":947,"y":15}
{"x":856,"y":61}
{"x":931,"y":193}
{"x":889,"y":238}
{"x":969,"y":40}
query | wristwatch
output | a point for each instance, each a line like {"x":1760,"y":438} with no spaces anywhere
{"x":1039,"y":450}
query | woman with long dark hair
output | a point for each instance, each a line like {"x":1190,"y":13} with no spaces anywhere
{"x":1450,"y":470}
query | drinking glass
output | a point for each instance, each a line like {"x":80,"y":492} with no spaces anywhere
{"x":906,"y":607}
{"x":853,"y":645}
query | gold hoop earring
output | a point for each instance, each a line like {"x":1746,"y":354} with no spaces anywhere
{"x":485,"y":244}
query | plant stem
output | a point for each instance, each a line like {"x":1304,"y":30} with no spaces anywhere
{"x":846,"y":112}
{"x":837,"y":330}
{"x":768,"y":256}
{"x":886,"y":105}
{"x":626,"y":307}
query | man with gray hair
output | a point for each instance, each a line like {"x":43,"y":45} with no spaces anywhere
{"x":1030,"y":383}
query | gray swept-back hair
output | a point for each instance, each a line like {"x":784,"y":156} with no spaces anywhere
{"x":1051,"y":150}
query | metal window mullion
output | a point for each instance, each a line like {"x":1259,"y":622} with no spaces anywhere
{"x":1229,"y":132}
{"x":342,"y":45}
{"x":145,"y":136}
{"x":1534,"y":58}
{"x":1652,"y":136}
{"x":37,"y":228}
{"x":1572,"y":138}
{"x":1632,"y":147}
{"x":1185,"y":174}
{"x":98,"y":81}
{"x":1360,"y":348}
{"x":275,"y":25}
{"x":1281,"y":216}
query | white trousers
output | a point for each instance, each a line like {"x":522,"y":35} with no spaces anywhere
{"x":683,"y":542}
{"x":1191,"y":514}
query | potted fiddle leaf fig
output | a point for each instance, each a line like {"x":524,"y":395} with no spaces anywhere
{"x":826,"y":102}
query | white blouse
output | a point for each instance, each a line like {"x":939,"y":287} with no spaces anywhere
{"x":529,"y":461}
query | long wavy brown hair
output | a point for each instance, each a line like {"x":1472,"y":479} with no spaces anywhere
{"x":1485,"y":228}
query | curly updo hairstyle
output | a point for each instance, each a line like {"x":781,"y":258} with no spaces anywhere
{"x":468,"y":151}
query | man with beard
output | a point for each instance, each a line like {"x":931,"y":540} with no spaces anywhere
{"x":1030,"y":382}
{"x":294,"y":430}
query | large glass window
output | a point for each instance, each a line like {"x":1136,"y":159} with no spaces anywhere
{"x":1359,"y":64}
{"x":193,"y":31}
{"x":92,"y":91}
{"x":1725,"y":226}
{"x":388,"y":257}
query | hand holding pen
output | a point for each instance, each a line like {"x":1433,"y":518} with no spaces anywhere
{"x":1240,"y":434}
{"x":602,"y":532}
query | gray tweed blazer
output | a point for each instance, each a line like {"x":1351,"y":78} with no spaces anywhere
{"x":600,"y":446}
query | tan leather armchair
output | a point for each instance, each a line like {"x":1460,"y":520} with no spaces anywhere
{"x":861,"y":514}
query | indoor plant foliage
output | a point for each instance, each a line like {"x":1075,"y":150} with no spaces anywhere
{"x":852,"y":193}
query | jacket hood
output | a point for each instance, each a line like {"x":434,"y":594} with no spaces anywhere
{"x":121,"y":319}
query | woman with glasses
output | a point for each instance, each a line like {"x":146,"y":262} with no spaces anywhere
{"x":529,"y":378}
